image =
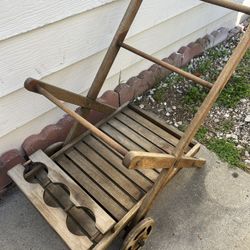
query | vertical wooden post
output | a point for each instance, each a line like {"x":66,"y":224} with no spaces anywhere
{"x":108,"y":61}
{"x":197,"y":121}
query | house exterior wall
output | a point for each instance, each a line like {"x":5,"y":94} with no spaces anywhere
{"x":63,"y":43}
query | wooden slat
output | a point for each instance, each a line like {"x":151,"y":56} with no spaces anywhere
{"x":133,"y":136}
{"x":130,"y":145}
{"x":104,"y":182}
{"x":109,"y":170}
{"x":159,"y":122}
{"x":146,"y":133}
{"x":151,"y":126}
{"x":139,"y":138}
{"x":56,"y":217}
{"x":80,"y":198}
{"x":116,"y":161}
{"x":137,"y":160}
{"x":91,"y":187}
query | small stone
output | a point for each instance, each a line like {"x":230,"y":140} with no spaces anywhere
{"x":167,"y":114}
{"x":141,"y":106}
{"x":247,"y":154}
{"x":226,"y":115}
{"x":174,"y":107}
{"x":216,"y":120}
{"x":239,"y":147}
{"x":176,"y":124}
{"x":151,"y":99}
{"x":247,"y":119}
{"x":235,"y":137}
{"x":180,"y":123}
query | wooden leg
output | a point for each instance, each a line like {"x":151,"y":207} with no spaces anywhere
{"x":108,"y":60}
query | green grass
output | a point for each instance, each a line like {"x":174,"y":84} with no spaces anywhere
{"x":159,"y":94}
{"x":238,"y":86}
{"x":203,"y":66}
{"x":226,"y":150}
{"x":201,"y":134}
{"x":237,"y":89}
{"x":194,"y":96}
{"x":226,"y":126}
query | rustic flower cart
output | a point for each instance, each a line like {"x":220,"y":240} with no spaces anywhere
{"x":105,"y":180}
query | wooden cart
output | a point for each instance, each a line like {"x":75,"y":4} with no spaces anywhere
{"x":106,"y":179}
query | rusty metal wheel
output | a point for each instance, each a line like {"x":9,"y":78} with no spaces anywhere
{"x":137,"y":237}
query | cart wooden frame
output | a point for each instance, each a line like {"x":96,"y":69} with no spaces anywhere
{"x":107,"y":179}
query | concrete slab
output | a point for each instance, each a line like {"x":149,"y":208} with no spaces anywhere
{"x":199,"y":209}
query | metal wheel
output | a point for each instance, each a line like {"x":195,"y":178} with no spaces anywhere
{"x":137,"y":237}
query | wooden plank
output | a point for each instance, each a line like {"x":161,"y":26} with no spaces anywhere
{"x":79,"y":221}
{"x":133,"y":136}
{"x":146,"y":133}
{"x":130,"y":145}
{"x":137,"y":160}
{"x":96,"y":192}
{"x":151,"y":126}
{"x":104,"y":182}
{"x":109,"y":170}
{"x":80,"y":198}
{"x":56,"y":217}
{"x":116,"y":161}
{"x":160,"y":123}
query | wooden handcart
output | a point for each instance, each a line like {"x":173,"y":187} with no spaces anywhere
{"x":106,"y":179}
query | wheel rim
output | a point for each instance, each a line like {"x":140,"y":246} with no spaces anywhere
{"x":138,"y":236}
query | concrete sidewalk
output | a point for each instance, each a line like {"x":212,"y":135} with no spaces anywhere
{"x":199,"y":209}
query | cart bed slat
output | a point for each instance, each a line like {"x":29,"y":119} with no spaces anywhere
{"x":101,"y":179}
{"x":109,"y":170}
{"x":115,"y":160}
{"x":91,"y":187}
